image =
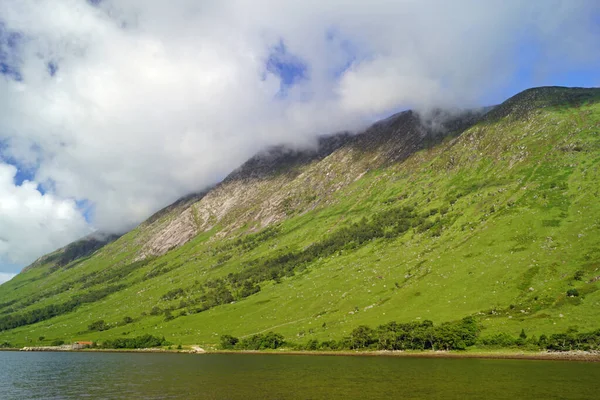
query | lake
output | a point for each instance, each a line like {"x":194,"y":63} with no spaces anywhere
{"x":49,"y":375}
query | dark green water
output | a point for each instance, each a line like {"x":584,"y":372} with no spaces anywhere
{"x":238,"y":376}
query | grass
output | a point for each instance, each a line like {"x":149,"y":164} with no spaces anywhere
{"x":514,"y":213}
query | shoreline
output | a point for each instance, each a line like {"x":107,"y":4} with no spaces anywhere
{"x":491,"y":355}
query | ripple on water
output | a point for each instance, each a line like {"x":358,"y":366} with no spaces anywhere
{"x":45,"y":375}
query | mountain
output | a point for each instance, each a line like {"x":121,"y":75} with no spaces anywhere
{"x":74,"y":252}
{"x":490,"y":214}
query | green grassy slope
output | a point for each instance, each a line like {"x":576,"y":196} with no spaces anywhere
{"x":505,"y":219}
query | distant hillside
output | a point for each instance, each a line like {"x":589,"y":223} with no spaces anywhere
{"x":75,"y":251}
{"x":490,"y":214}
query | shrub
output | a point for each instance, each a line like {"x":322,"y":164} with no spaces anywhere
{"x":272,"y":341}
{"x":269,"y":340}
{"x":155,"y":311}
{"x":499,"y":340}
{"x":312,"y":345}
{"x":99,"y":325}
{"x":329,"y":345}
{"x":523,"y":335}
{"x":138,"y":342}
{"x":362,"y":337}
{"x":173,"y":294}
{"x":228,"y":342}
{"x":572,"y":293}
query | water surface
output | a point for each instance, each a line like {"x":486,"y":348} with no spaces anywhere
{"x":40,"y":375}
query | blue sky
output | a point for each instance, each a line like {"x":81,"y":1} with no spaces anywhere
{"x":115,"y":112}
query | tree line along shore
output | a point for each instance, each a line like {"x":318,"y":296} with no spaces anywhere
{"x":418,"y":338}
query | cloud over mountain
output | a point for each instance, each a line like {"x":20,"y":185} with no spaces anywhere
{"x":33,"y":223}
{"x":130,"y":104}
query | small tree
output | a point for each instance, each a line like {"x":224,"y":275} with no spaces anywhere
{"x":361,"y":337}
{"x":312,"y":344}
{"x":99,"y":325}
{"x":228,"y":342}
{"x":572,"y":293}
{"x":271,"y":340}
{"x":523,"y":335}
{"x":155,"y":310}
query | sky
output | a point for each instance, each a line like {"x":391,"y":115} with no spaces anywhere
{"x":113,"y":109}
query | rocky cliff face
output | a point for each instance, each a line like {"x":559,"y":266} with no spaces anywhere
{"x":280,"y":182}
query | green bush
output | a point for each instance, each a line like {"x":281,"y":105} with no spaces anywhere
{"x":523,"y":335}
{"x":138,"y":342}
{"x":499,"y":340}
{"x":173,"y":294}
{"x":266,"y":341}
{"x":99,"y":325}
{"x":156,"y":311}
{"x":228,"y":342}
{"x":362,"y":337}
{"x":329,"y":345}
{"x":312,"y":345}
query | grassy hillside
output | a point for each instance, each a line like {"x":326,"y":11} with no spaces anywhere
{"x":496,"y":220}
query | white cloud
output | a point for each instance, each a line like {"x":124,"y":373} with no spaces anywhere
{"x":32,"y":223}
{"x":155,"y":99}
{"x":5,"y":277}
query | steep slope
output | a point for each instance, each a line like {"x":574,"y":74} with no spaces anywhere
{"x":280,"y":182}
{"x":75,"y":251}
{"x":495,"y":218}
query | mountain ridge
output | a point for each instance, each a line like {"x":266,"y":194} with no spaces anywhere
{"x":494,"y":220}
{"x":280,"y":157}
{"x":281,"y":160}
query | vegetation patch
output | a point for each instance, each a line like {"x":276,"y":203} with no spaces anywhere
{"x":138,"y":342}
